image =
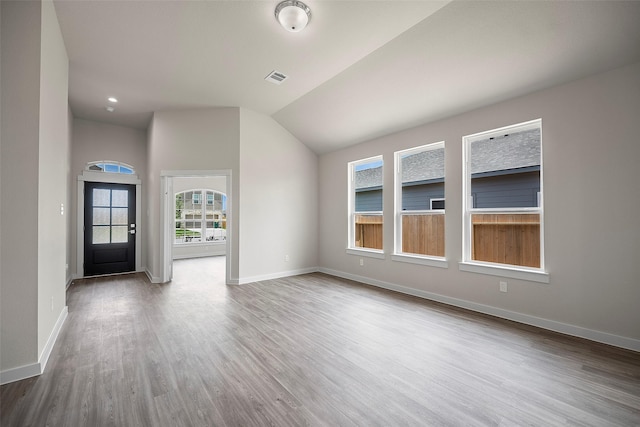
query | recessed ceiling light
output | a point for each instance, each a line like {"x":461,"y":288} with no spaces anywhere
{"x":112,"y":99}
{"x":110,"y":109}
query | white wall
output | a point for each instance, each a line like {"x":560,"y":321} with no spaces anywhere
{"x":20,"y":62}
{"x":52,"y":178}
{"x":35,"y":150}
{"x":592,"y":200}
{"x":198,"y":139}
{"x":93,"y":141}
{"x":186,"y":250}
{"x":278,"y":200}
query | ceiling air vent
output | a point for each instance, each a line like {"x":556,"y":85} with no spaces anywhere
{"x":276,"y":77}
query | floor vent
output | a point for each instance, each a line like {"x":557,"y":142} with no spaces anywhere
{"x":276,"y":77}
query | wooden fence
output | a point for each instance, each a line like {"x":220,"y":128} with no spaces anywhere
{"x":501,"y":238}
{"x":423,"y":234}
{"x":368,"y":231}
{"x":506,"y":238}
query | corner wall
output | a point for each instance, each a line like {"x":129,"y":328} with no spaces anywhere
{"x":52,"y":180}
{"x":278,"y":197}
{"x":591,"y":196}
{"x":35,"y":153}
{"x":20,"y":86}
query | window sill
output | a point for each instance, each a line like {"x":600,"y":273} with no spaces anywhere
{"x":370,"y":253}
{"x":422,"y":260}
{"x":206,"y":243}
{"x":505,"y":271}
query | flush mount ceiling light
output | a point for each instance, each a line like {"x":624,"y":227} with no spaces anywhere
{"x":293,"y":15}
{"x":112,"y":99}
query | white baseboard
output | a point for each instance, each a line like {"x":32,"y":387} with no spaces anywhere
{"x":46,"y":352}
{"x":35,"y":369}
{"x":152,"y":278}
{"x":278,"y":275}
{"x":552,"y":325}
{"x":20,"y":373}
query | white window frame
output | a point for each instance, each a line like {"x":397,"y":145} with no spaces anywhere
{"x":503,"y":270}
{"x":398,"y":255}
{"x":351,"y":245}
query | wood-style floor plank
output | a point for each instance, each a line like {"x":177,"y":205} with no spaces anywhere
{"x":309,"y":350}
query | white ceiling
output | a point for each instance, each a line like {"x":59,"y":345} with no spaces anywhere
{"x":361,"y":69}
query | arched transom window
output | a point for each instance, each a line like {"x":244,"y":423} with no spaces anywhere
{"x":110,"y":166}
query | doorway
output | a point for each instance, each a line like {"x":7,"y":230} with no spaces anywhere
{"x":109,"y":228}
{"x":90,"y":177}
{"x":168,"y":217}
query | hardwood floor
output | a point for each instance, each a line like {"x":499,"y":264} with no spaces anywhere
{"x":309,"y":350}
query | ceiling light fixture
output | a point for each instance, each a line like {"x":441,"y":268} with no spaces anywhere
{"x":109,"y":109}
{"x":293,"y":15}
{"x":112,"y":99}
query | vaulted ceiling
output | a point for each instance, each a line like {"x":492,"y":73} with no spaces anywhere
{"x":360,"y":69}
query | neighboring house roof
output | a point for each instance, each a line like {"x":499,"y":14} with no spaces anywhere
{"x":423,"y":166}
{"x":512,"y":151}
{"x":367,"y":178}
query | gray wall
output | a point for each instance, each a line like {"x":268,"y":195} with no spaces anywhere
{"x":34,"y":169}
{"x":94,"y":141}
{"x":590,"y":146}
{"x":278,"y":200}
{"x":197,"y":139}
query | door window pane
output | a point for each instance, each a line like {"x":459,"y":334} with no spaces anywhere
{"x":100,"y":234}
{"x":119,"y":234}
{"x":120,"y":198}
{"x":101,"y":216}
{"x":120,"y":216}
{"x":101,"y":197}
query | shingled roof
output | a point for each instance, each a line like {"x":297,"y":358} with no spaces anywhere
{"x":511,"y":151}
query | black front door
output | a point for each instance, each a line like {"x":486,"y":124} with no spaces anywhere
{"x":109,"y":228}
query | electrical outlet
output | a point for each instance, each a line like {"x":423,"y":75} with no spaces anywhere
{"x":286,"y":258}
{"x":361,"y":262}
{"x":503,"y":286}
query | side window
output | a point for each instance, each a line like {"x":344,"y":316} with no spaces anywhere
{"x":503,"y":196}
{"x":195,"y":223}
{"x":419,"y":191}
{"x":365,"y":204}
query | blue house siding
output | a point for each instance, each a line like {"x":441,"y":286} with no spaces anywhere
{"x":417,"y":197}
{"x":369,"y":201}
{"x":506,"y":191}
{"x":515,"y":190}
